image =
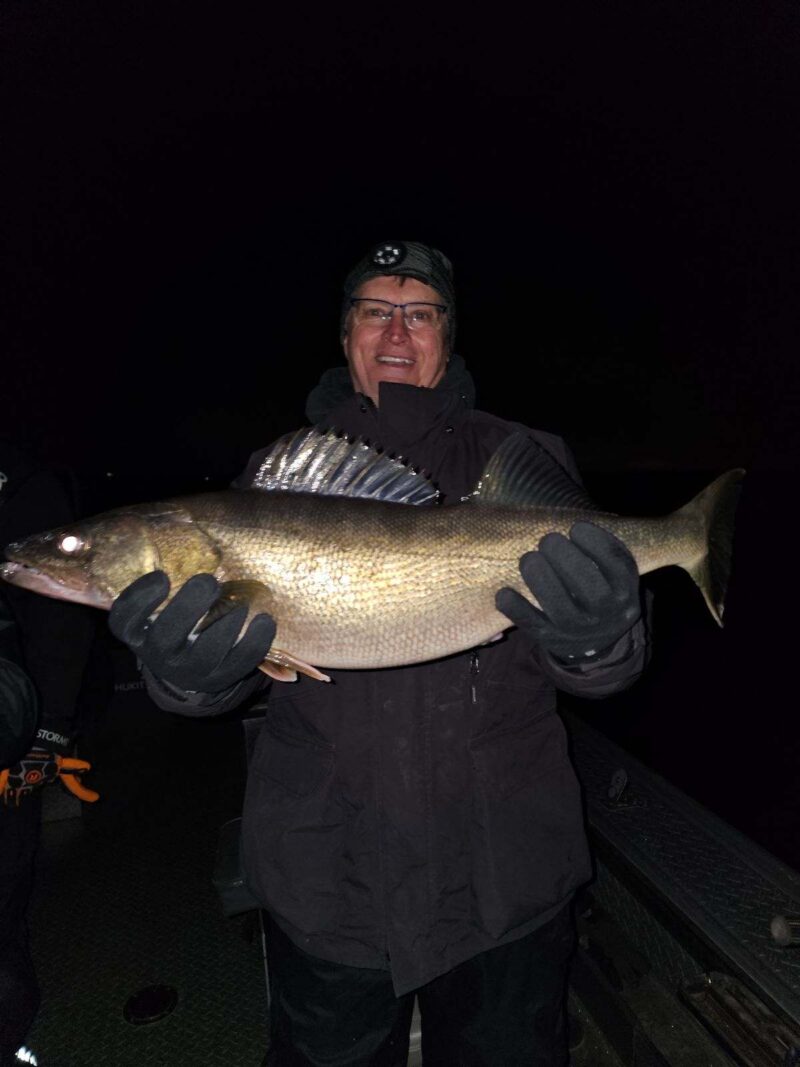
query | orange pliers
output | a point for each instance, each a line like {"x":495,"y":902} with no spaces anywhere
{"x":66,"y":766}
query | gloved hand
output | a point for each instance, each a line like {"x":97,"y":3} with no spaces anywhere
{"x":587,"y":586}
{"x":210,"y":662}
{"x":40,"y":767}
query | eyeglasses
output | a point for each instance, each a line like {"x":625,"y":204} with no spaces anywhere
{"x":417,"y":316}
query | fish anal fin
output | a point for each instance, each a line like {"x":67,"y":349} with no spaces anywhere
{"x":283,"y":665}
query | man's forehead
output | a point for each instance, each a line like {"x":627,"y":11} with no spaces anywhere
{"x":389,"y":287}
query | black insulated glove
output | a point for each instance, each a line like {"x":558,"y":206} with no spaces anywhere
{"x":209,"y":662}
{"x":587,"y":586}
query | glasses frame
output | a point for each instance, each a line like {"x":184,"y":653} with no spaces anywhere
{"x":409,"y":303}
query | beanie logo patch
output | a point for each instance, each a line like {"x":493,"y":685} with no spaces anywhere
{"x":389,"y":254}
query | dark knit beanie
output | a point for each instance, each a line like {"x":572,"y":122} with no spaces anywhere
{"x":409,"y":258}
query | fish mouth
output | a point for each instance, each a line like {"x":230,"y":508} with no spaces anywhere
{"x":26,"y":577}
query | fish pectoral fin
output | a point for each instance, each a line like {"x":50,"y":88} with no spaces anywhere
{"x":255,"y":596}
{"x":285,"y":667}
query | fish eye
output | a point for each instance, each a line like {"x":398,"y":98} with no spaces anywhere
{"x":73,"y":545}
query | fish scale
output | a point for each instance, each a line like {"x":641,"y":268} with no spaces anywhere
{"x":358,"y":584}
{"x":358,"y":579}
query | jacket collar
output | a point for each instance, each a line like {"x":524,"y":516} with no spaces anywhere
{"x":406,"y":413}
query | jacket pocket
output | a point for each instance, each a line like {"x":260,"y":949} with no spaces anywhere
{"x":293,"y":831}
{"x":505,"y":706}
{"x":299,"y":766}
{"x":529,"y":848}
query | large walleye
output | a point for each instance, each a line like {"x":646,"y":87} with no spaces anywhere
{"x":328,"y":544}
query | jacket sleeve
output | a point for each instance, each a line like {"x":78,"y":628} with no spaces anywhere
{"x":18,"y":704}
{"x":171,"y":698}
{"x":615,"y":670}
{"x":55,"y":636}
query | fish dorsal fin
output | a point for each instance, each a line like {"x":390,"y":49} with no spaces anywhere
{"x":523,"y":474}
{"x":331,"y":464}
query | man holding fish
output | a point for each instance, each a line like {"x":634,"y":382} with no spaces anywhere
{"x":416,"y":828}
{"x":412,"y":823}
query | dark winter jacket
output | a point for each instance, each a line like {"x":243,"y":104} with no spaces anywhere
{"x":410,"y":818}
{"x":17,"y":695}
{"x":55,"y":637}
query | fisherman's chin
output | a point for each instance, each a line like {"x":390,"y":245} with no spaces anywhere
{"x":25,"y":577}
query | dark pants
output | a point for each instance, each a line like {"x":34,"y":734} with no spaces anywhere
{"x":503,"y":1008}
{"x":19,"y":992}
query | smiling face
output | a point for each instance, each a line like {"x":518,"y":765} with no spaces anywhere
{"x":390,"y":352}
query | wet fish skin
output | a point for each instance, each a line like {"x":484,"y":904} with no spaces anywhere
{"x":360,"y":583}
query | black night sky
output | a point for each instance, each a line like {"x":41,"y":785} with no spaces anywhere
{"x":185,"y":186}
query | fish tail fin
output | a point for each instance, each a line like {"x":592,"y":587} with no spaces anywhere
{"x":715,"y":507}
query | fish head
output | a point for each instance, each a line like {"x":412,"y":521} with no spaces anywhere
{"x":93,"y":560}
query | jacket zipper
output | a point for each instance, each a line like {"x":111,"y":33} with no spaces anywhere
{"x":474,"y":671}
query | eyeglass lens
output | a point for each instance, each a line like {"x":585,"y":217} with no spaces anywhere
{"x":416,"y":315}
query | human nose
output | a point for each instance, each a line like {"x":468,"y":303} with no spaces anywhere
{"x":396,"y":327}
